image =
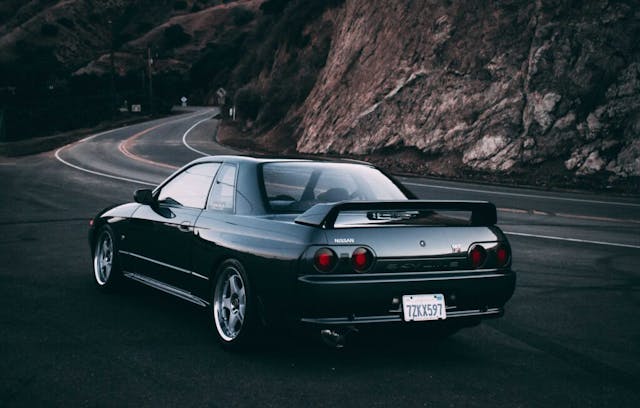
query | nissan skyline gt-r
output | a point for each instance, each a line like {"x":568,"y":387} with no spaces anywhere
{"x":265,"y":242}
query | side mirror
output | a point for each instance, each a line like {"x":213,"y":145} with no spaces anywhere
{"x":144,"y":196}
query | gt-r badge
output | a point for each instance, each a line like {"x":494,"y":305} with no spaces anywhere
{"x":344,"y":240}
{"x":456,"y":248}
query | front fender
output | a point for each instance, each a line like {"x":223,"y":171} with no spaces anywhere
{"x":110,"y":215}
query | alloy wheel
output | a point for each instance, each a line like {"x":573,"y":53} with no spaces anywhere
{"x":230,"y":303}
{"x":103,"y":258}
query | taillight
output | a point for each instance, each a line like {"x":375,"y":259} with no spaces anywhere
{"x":477,"y":256}
{"x":324,"y":259}
{"x":502,"y":256}
{"x":361,"y":259}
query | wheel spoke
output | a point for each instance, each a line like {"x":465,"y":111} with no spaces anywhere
{"x":226,"y":303}
{"x":233,"y":322}
{"x":226,"y":290}
{"x":236,"y":284}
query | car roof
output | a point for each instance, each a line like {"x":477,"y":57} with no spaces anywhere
{"x":271,"y":159}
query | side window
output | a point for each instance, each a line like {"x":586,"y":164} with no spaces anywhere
{"x":191,"y":187}
{"x":223,"y":193}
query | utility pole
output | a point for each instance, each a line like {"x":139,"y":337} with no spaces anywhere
{"x":2,"y":131}
{"x":150,"y":78}
{"x":112,"y":84}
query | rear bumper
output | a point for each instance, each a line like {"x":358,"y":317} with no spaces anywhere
{"x":334,"y":300}
{"x":395,"y":318}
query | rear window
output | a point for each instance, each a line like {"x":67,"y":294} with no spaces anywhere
{"x":298,"y":186}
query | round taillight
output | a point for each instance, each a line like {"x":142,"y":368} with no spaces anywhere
{"x":477,"y":256}
{"x":324,"y":259}
{"x":502,"y":256}
{"x":361,"y":259}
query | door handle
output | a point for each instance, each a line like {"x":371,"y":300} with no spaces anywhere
{"x":185,"y":226}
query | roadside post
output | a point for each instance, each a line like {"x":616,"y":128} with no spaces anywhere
{"x":2,"y":134}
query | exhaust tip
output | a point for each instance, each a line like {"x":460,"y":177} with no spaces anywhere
{"x":334,"y":338}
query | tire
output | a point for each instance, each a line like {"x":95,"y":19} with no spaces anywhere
{"x":106,"y":267}
{"x":234,"y":314}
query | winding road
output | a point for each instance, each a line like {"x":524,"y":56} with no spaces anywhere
{"x":570,"y":337}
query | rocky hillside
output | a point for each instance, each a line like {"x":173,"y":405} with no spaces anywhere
{"x":71,"y":63}
{"x":545,"y":87}
{"x":80,"y":34}
{"x":545,"y":91}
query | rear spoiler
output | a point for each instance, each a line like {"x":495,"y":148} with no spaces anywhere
{"x":483,"y":213}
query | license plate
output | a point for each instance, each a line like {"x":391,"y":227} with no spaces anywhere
{"x":423,"y":307}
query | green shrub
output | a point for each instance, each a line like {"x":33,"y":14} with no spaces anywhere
{"x":66,"y":22}
{"x":180,"y":5}
{"x":273,"y":6}
{"x":174,"y":36}
{"x":248,"y":101}
{"x":49,"y":30}
{"x":281,"y":95}
{"x":241,"y":16}
{"x":217,"y":60}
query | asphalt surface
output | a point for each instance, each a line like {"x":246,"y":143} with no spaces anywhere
{"x":570,"y":337}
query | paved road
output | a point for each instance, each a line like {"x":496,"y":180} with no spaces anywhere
{"x":571,"y":335}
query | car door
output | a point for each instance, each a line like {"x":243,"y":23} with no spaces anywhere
{"x":163,"y":234}
{"x":214,"y":223}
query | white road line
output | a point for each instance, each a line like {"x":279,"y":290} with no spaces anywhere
{"x":583,"y":241}
{"x":184,"y":138}
{"x":111,"y":176}
{"x":97,"y":173}
{"x":579,"y":200}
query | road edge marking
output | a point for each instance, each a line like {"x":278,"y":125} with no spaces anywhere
{"x":97,"y":173}
{"x":506,"y":193}
{"x":187,"y":145}
{"x":112,"y":176}
{"x":129,"y":155}
{"x":567,"y":215}
{"x":581,"y":241}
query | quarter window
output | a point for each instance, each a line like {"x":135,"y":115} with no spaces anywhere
{"x":191,"y":187}
{"x":223,"y":192}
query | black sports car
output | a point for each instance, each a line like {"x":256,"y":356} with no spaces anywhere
{"x":333,"y":244}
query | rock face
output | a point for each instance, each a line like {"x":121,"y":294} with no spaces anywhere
{"x":494,"y":86}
